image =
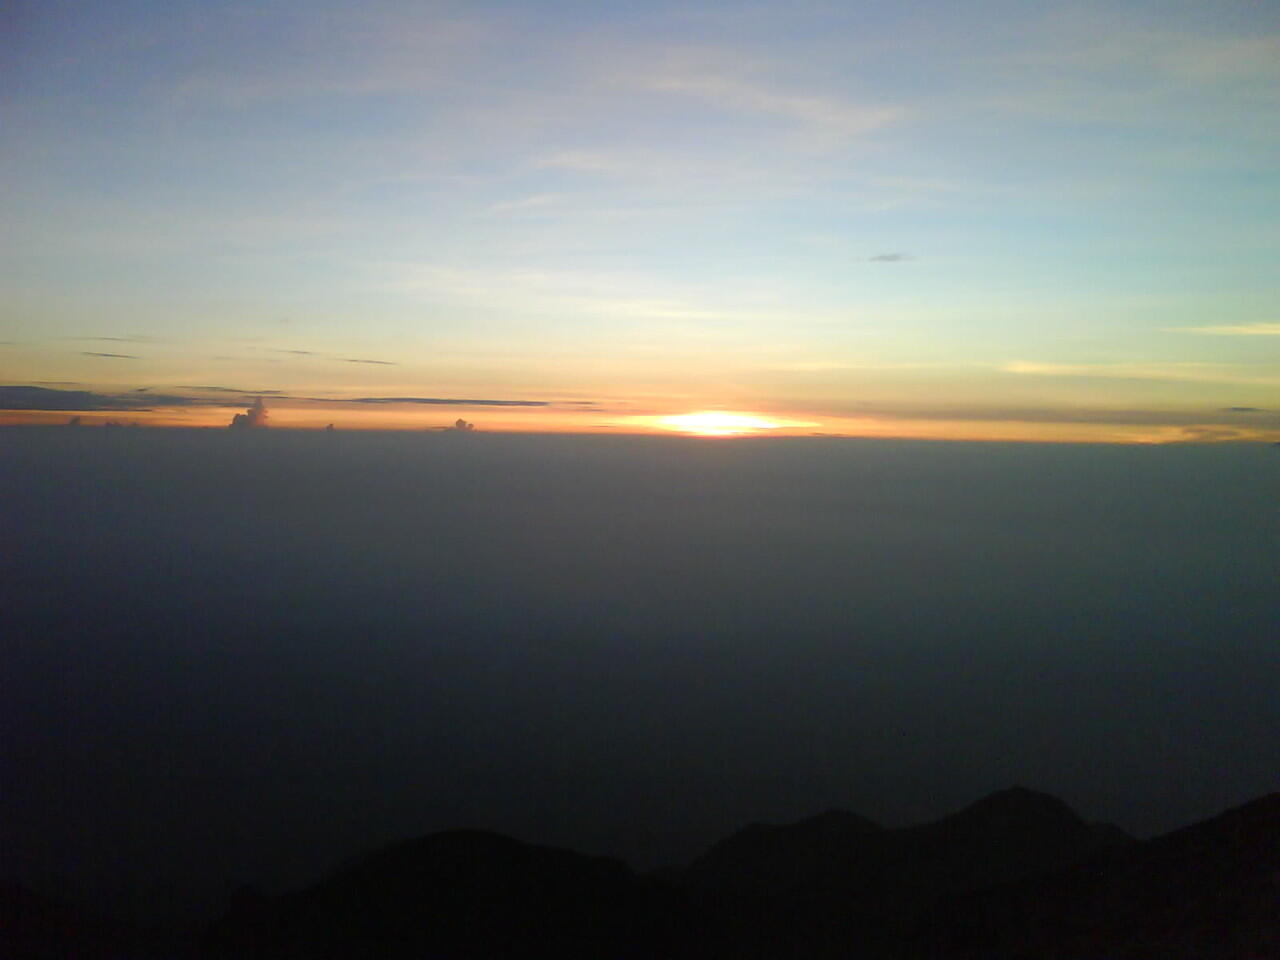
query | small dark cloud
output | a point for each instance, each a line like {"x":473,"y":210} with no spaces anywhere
{"x":114,"y":356}
{"x":433,"y":401}
{"x":296,"y":353}
{"x":1243,"y":410}
{"x":57,"y":383}
{"x":890,"y":258}
{"x":115,"y":339}
{"x":254,"y":417}
{"x":381,"y":363}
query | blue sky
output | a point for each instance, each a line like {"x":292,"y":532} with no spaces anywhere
{"x":931,"y":219}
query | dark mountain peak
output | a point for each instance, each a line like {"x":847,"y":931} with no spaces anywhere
{"x":1018,"y":800}
{"x":1014,"y":810}
{"x":1009,"y":834}
{"x":830,"y":824}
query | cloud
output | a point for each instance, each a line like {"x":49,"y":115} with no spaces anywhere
{"x":585,"y":293}
{"x":1234,"y":330}
{"x":254,"y":417}
{"x":1201,"y":434}
{"x":535,"y":202}
{"x":1257,"y":374}
{"x":1243,"y":410}
{"x":114,"y":356}
{"x":115,"y":339}
{"x":209,"y":389}
{"x":313,"y":353}
{"x":40,"y":398}
{"x":434,"y":401}
{"x":890,"y":258}
{"x":825,"y":115}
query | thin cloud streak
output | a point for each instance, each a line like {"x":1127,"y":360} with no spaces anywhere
{"x":40,"y":398}
{"x":432,"y":401}
{"x":209,"y":389}
{"x":1235,"y":330}
{"x":1189,"y":371}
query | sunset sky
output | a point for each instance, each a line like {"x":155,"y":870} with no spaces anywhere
{"x":996,"y":220}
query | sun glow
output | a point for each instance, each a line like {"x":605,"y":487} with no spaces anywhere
{"x":717,"y":423}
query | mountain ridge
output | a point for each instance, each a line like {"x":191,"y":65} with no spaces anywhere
{"x":1016,"y":874}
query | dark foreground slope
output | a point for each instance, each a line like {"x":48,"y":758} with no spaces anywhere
{"x":37,"y":927}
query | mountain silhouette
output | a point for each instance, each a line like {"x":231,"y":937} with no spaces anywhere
{"x":844,"y":880}
{"x":1016,"y":875}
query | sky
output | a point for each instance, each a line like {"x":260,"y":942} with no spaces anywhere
{"x":925,"y":219}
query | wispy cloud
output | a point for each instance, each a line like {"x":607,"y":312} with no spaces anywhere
{"x":431,"y":401}
{"x":40,"y":398}
{"x":317,"y":354}
{"x":236,"y":390}
{"x":536,"y":202}
{"x":1235,"y":330}
{"x":890,"y":258}
{"x":832,"y":116}
{"x":113,"y":356}
{"x":623,"y":295}
{"x":114,"y":339}
{"x":1258,"y":374}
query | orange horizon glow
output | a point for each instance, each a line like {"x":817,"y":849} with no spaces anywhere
{"x":705,"y":424}
{"x":716,"y":423}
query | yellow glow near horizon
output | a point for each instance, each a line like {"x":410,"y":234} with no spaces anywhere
{"x":717,"y":423}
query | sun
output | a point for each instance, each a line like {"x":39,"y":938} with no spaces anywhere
{"x":717,"y":423}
